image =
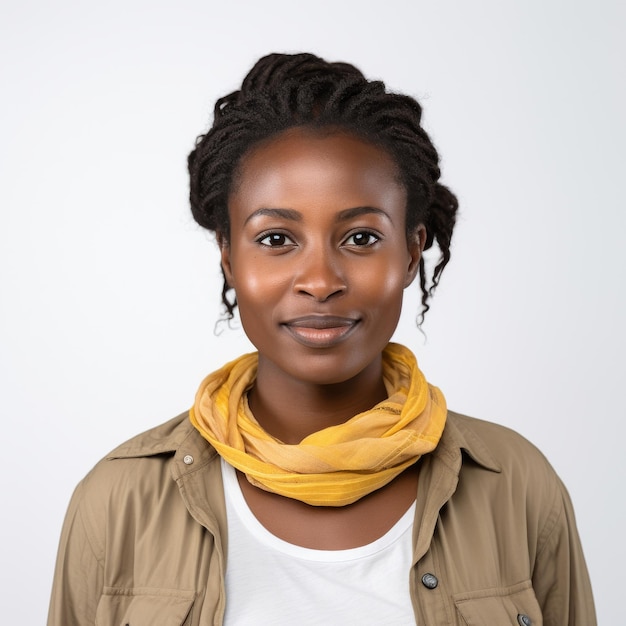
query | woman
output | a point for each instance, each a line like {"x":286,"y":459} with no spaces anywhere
{"x":321,"y":480}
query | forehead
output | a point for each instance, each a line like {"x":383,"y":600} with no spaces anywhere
{"x":329,"y":166}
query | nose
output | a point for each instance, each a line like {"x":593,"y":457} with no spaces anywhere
{"x":319,"y":275}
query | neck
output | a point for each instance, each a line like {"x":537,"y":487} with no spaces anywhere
{"x":290,"y":409}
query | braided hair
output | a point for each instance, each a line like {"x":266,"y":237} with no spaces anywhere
{"x":287,"y":90}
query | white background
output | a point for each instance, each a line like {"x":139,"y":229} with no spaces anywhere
{"x":109,"y":291}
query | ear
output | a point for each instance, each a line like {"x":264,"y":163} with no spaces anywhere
{"x":415,"y":244}
{"x":224,"y":245}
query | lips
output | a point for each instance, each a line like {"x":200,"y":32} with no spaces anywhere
{"x":320,"y":331}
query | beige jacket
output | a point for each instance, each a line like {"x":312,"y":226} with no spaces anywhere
{"x":495,"y":541}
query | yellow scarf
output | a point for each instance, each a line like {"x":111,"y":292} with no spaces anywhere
{"x":334,"y":466}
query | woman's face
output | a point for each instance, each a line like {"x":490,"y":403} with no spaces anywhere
{"x":318,"y":253}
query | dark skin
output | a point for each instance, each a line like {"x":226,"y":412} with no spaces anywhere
{"x":333,"y":528}
{"x":319,"y":258}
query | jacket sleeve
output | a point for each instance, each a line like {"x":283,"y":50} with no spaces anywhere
{"x":78,"y":576}
{"x":560,"y":578}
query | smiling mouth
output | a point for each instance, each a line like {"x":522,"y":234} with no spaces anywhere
{"x":320,"y":331}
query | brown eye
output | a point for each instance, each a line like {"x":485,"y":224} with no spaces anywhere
{"x":362,"y":238}
{"x":275,"y":240}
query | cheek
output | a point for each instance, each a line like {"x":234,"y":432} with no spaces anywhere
{"x":391,"y":301}
{"x":385,"y":282}
{"x":258,"y":289}
{"x":253,"y":277}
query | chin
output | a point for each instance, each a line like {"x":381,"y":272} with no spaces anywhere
{"x":326,"y":370}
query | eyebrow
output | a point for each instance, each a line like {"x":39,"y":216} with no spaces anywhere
{"x":348,"y":214}
{"x":296,"y":216}
{"x":288,"y":214}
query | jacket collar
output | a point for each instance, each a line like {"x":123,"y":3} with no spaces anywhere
{"x":164,"y":439}
{"x":459,"y":436}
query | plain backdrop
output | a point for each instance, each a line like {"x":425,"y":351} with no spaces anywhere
{"x":109,"y":292}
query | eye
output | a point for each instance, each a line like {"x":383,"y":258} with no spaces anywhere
{"x":274,"y":240}
{"x":362,"y":238}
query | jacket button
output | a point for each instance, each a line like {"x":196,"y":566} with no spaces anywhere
{"x":429,"y":581}
{"x":188,"y":459}
{"x":524,"y":620}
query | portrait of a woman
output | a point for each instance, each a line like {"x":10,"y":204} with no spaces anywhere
{"x":322,"y":479}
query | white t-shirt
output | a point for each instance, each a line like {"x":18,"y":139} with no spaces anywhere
{"x":275,"y":583}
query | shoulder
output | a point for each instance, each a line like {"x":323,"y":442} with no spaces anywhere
{"x":175,"y":444}
{"x":161,"y":439}
{"x":505,"y":463}
{"x":152,"y":448}
{"x":130,"y":461}
{"x":141,"y":474}
{"x":486,"y":442}
{"x":504,"y":473}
